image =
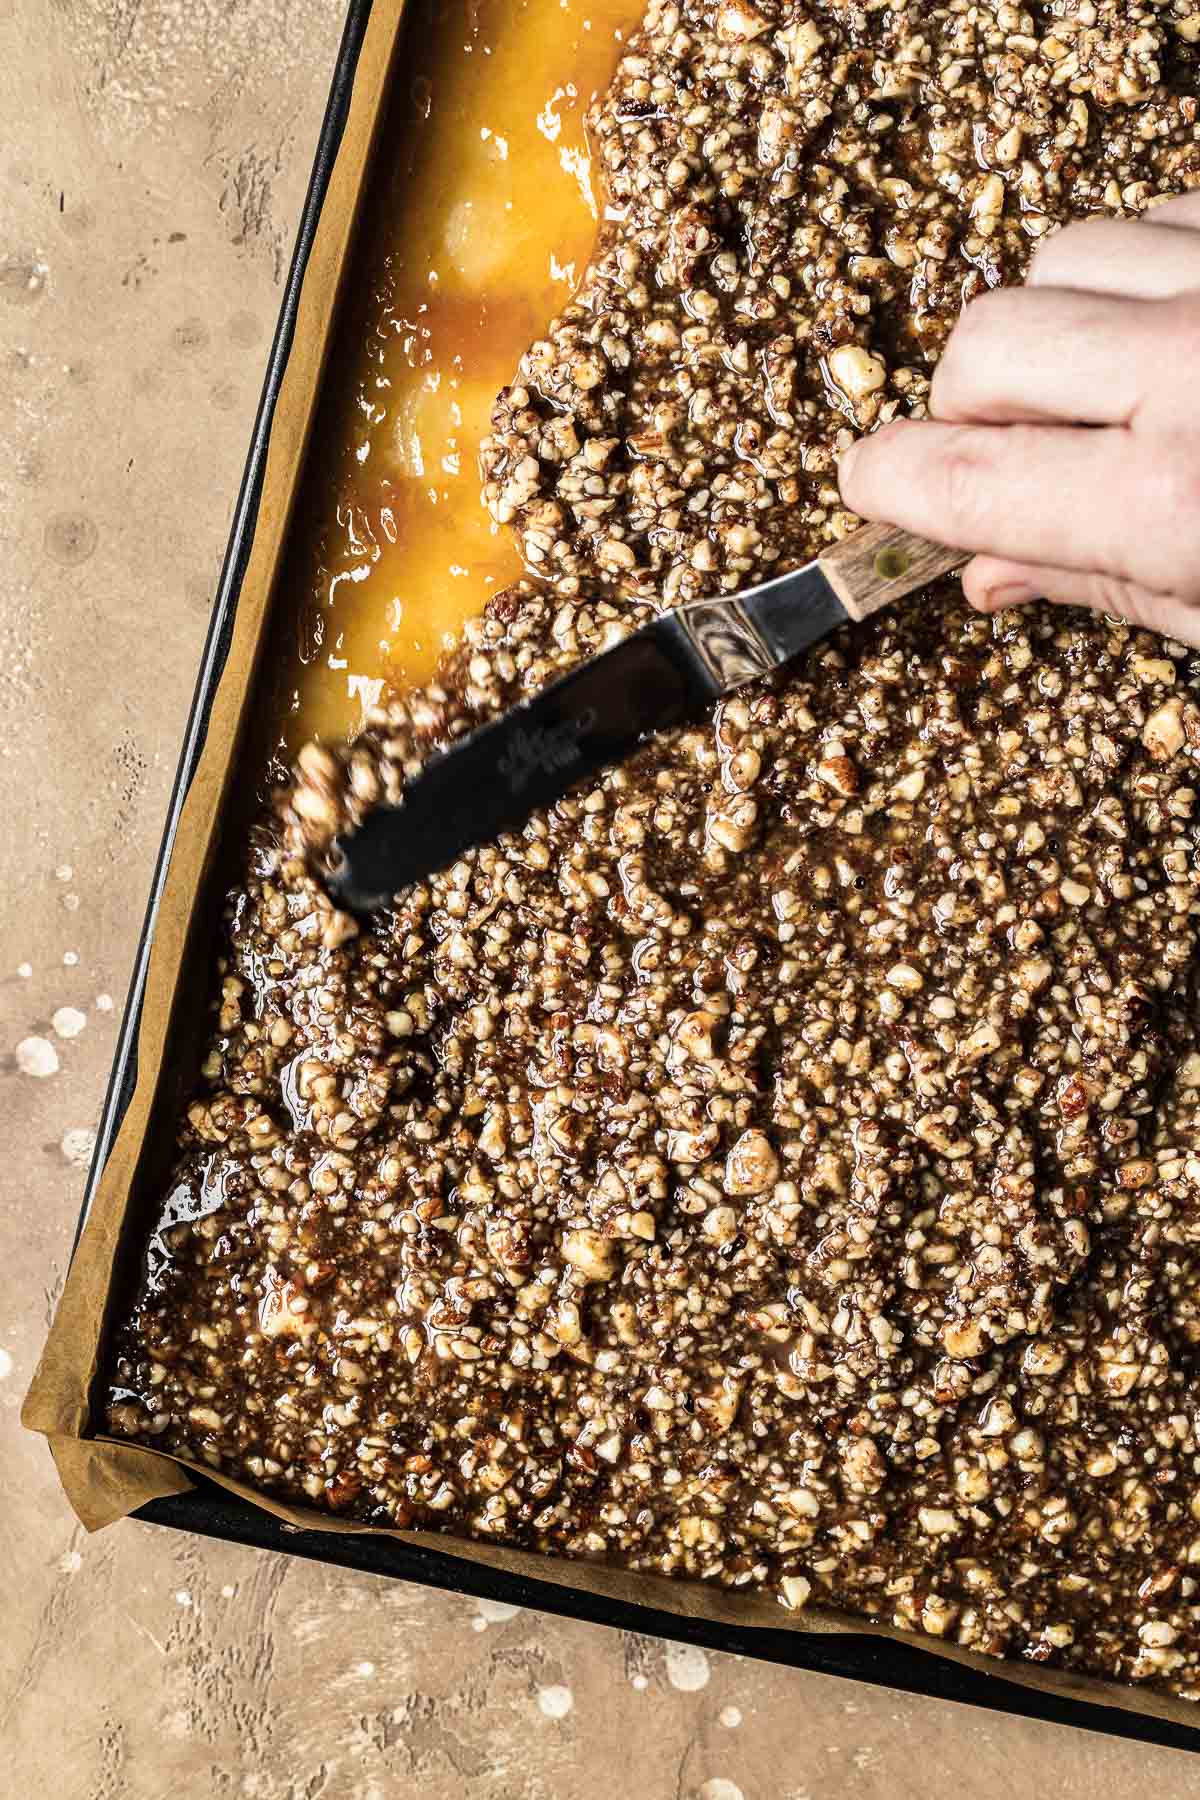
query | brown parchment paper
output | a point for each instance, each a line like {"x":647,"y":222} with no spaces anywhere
{"x":104,"y":1479}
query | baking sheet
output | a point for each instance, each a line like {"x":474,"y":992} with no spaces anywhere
{"x":899,"y":1664}
{"x":105,"y":1479}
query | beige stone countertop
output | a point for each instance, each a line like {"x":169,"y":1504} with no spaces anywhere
{"x":152,"y":161}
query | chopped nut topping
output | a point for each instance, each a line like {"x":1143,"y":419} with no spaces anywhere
{"x":778,"y":1163}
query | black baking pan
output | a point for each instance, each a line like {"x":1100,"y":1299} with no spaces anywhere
{"x":208,"y":1510}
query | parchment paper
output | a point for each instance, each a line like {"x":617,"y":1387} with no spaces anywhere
{"x":105,"y":1480}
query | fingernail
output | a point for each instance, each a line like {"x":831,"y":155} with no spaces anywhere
{"x":1011,"y":593}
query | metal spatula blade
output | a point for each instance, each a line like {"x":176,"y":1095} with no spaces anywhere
{"x":598,"y":714}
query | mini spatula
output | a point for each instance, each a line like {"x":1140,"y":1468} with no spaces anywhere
{"x":598,"y":714}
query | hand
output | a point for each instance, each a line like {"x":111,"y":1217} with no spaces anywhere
{"x":1064,"y":442}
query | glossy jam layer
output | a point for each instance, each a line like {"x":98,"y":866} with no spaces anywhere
{"x":483,"y":217}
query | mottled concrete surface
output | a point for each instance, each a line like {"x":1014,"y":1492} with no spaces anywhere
{"x":152,"y":160}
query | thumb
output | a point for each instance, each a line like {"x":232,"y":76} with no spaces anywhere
{"x":993,"y":583}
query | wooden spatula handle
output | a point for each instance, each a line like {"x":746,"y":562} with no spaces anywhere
{"x":881,"y":563}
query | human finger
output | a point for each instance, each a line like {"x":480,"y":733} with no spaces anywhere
{"x":1047,"y":353}
{"x":1141,"y":260}
{"x":1180,"y":211}
{"x":993,"y":584}
{"x":1049,"y":494}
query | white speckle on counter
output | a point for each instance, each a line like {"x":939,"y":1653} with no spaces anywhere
{"x":71,"y":902}
{"x":70,"y":958}
{"x":228,"y":1591}
{"x":366,"y":1668}
{"x":63,"y":872}
{"x":70,"y":1562}
{"x":640,"y":1682}
{"x":183,"y":1598}
{"x":68,"y":1022}
{"x":37,"y":1056}
{"x":687,"y":1667}
{"x":25,"y":971}
{"x":6,"y":1365}
{"x":494,"y":1612}
{"x":730,"y":1717}
{"x":104,"y":1002}
{"x":77,"y":1146}
{"x":556,"y":1702}
{"x":720,"y":1789}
